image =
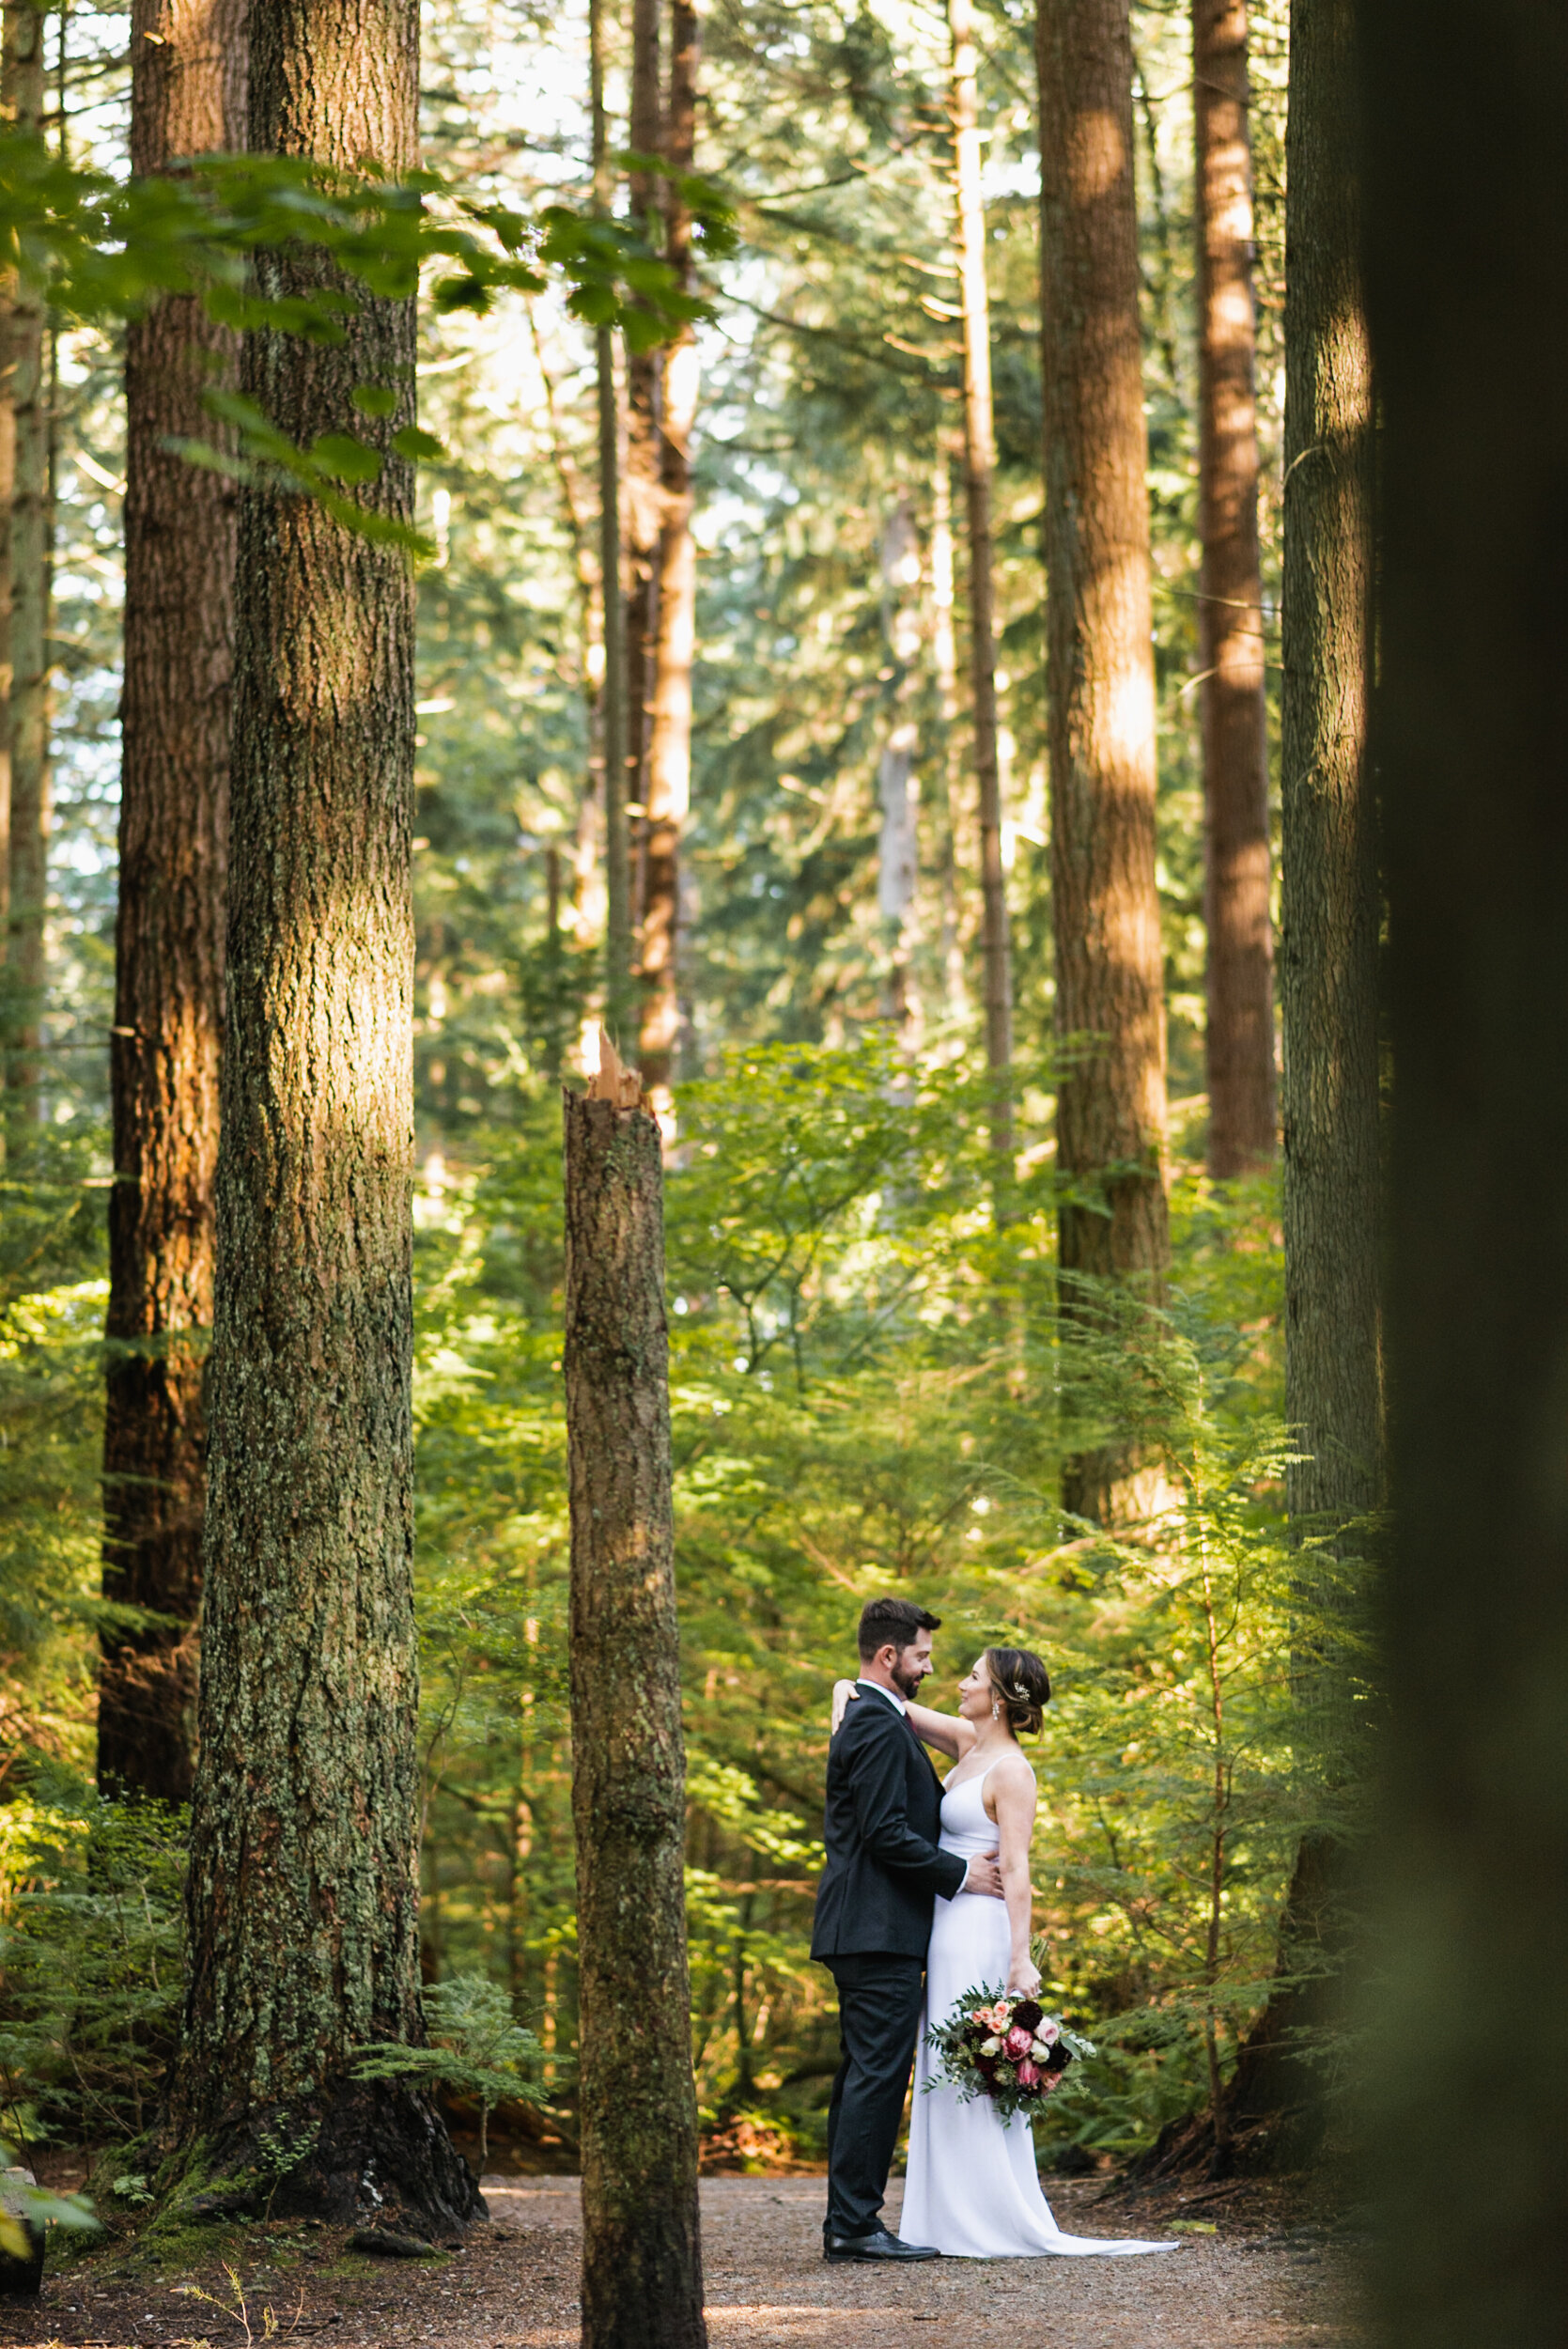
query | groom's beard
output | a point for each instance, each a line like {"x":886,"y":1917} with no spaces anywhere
{"x":908,"y":1681}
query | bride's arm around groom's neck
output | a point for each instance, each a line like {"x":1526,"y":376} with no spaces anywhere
{"x":945,"y":1731}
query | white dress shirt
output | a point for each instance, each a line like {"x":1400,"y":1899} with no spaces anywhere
{"x":898,"y":1703}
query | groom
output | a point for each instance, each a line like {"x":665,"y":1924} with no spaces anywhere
{"x":874,"y":1908}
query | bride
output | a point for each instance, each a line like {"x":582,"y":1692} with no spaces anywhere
{"x":972,"y":2189}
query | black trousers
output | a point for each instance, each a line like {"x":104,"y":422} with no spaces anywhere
{"x":879,"y":2000}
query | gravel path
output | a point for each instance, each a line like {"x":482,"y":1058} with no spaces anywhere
{"x":1263,"y":2278}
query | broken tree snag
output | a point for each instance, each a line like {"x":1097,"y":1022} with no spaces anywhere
{"x":642,"y":2263}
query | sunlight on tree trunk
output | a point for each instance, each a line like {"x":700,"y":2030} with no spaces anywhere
{"x":303,"y":1887}
{"x":26,"y":372}
{"x":187,"y":98}
{"x":1239,"y":1038}
{"x":669,"y":777}
{"x":1099,"y":669}
{"x":642,"y":2265}
{"x":1331,"y":897}
{"x":978,"y":470}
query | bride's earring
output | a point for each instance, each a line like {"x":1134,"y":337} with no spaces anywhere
{"x":996,"y":1710}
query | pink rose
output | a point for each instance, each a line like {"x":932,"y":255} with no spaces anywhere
{"x":1049,"y":2033}
{"x":1018,"y":2041}
{"x":1029,"y":2074}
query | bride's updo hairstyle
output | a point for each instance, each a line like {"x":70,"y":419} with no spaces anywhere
{"x":1022,"y":1683}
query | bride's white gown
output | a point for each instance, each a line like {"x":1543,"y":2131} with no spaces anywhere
{"x":973,"y":2189}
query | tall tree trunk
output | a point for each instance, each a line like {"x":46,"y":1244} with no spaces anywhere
{"x":1329,"y":853}
{"x":304,"y":1890}
{"x":612,"y":698}
{"x":897,"y":788}
{"x":1468,"y":299}
{"x":944,"y":661}
{"x":1099,"y":673}
{"x":187,"y":98}
{"x":26,"y":372}
{"x":979,"y":469}
{"x":1240,"y":1026}
{"x":9,"y":289}
{"x":1328,"y":968}
{"x":641,"y":2262}
{"x":669,"y":777}
{"x":641,"y":499}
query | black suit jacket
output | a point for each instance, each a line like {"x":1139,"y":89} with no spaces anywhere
{"x":883,"y":1816}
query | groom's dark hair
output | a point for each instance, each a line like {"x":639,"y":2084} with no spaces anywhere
{"x":892,"y":1623}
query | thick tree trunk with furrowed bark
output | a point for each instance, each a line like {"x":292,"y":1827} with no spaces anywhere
{"x":642,"y":2265}
{"x":303,"y":1889}
{"x":187,"y":99}
{"x":1329,"y":957}
{"x":1099,"y":673}
{"x":1240,"y":1026}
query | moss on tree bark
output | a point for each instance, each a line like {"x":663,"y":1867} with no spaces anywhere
{"x":303,"y":1897}
{"x":642,"y":2265}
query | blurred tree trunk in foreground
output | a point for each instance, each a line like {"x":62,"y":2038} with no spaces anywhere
{"x":24,"y":368}
{"x":1239,"y":1037}
{"x":302,"y":1891}
{"x":1099,"y":674}
{"x":187,"y":99}
{"x":669,"y":779}
{"x":641,"y":2262}
{"x":1465,"y":172}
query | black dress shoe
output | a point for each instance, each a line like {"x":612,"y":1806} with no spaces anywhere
{"x":878,"y":2245}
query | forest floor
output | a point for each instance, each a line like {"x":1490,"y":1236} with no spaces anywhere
{"x":1276,"y":2269}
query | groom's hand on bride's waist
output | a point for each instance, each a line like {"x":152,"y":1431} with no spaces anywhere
{"x":984,"y":1876}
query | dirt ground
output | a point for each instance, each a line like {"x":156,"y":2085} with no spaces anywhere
{"x":1273,"y":2271}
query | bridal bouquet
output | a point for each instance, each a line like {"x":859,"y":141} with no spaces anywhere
{"x":998,"y":2044}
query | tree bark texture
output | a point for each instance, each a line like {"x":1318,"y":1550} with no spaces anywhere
{"x":1330,"y":900}
{"x":979,"y":473}
{"x":8,"y":290}
{"x":26,"y":373}
{"x":303,"y":1889}
{"x":187,"y":98}
{"x":642,"y":2266}
{"x":1466,"y":175}
{"x":1110,"y":1000}
{"x":669,"y":778}
{"x":1240,"y":1023}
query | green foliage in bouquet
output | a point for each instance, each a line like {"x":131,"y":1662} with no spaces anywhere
{"x":1005,"y":2048}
